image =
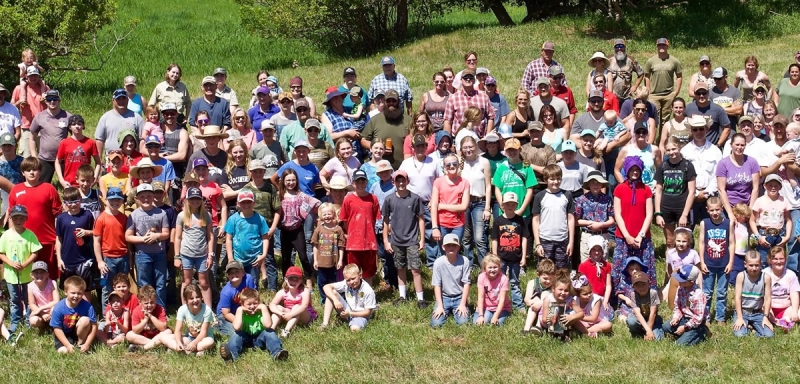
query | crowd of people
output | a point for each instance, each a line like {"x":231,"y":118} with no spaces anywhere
{"x":361,"y":185}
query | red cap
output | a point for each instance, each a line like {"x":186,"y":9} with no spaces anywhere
{"x":294,"y":271}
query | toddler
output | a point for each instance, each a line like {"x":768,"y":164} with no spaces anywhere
{"x":28,"y":60}
{"x":560,"y":311}
{"x":329,"y":243}
{"x":153,"y":124}
{"x":597,"y":315}
{"x":609,"y":130}
{"x":358,"y":107}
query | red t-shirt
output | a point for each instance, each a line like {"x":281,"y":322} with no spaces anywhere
{"x":211,"y":192}
{"x":149,"y":331}
{"x":43,"y":206}
{"x":564,"y":93}
{"x":75,"y":153}
{"x":589,"y":269}
{"x":111,"y":230}
{"x":452,"y":194}
{"x":633,"y":212}
{"x":360,"y":215}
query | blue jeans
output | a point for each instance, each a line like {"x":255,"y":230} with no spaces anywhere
{"x":151,"y":269}
{"x":793,"y":256}
{"x":488,"y":315}
{"x":459,"y":232}
{"x":450,"y":305}
{"x":431,"y":246}
{"x":716,"y":277}
{"x":115,"y":266}
{"x":475,"y":232}
{"x":254,"y":272}
{"x":637,"y":330}
{"x":266,"y":340}
{"x":512,"y":271}
{"x":224,"y":327}
{"x":690,"y":336}
{"x":756,"y":321}
{"x":272,"y":266}
{"x":773,"y":240}
{"x":276,"y":239}
{"x":308,"y":228}
{"x":389,"y":269}
{"x":17,"y":304}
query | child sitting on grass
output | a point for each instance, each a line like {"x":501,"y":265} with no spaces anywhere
{"x":229,"y":297}
{"x":560,"y":311}
{"x":785,"y":288}
{"x":197,"y":317}
{"x":632,"y":264}
{"x":537,"y":291}
{"x":493,"y":305}
{"x":73,"y":319}
{"x":688,"y":318}
{"x":644,"y":321}
{"x":296,"y":299}
{"x":597,"y":315}
{"x":252,"y":326}
{"x":148,"y":322}
{"x":597,"y":269}
{"x":116,"y":322}
{"x":352,"y":298}
{"x":42,"y":296}
{"x":752,"y":299}
{"x":122,"y":285}
{"x":450,"y":283}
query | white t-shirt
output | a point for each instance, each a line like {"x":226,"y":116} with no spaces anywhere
{"x":357,"y":299}
{"x":9,"y":118}
{"x":421,"y":175}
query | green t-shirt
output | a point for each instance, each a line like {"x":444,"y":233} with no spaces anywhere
{"x":494,"y":161}
{"x":251,"y":324}
{"x":507,"y":180}
{"x":662,"y":74}
{"x":18,"y":247}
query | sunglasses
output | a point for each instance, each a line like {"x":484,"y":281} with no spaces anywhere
{"x":640,"y":109}
{"x":286,"y":101}
{"x":701,"y":93}
{"x":641,"y":132}
{"x":472,"y":60}
{"x":169,"y":113}
{"x":313,"y":129}
{"x":468,"y":78}
{"x":239,"y":117}
{"x":698,"y":129}
{"x":705,"y":63}
{"x":51,"y":99}
{"x":438,"y":82}
{"x":452,"y":164}
{"x":301,"y":109}
{"x":202,"y":121}
{"x":296,"y":87}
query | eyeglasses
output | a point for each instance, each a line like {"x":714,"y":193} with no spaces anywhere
{"x":203,"y":121}
{"x":468,"y":78}
{"x":72,"y":202}
{"x":700,"y":93}
{"x":701,"y":129}
{"x":313,"y":129}
{"x":640,"y":109}
{"x":301,"y":109}
{"x":472,"y":60}
{"x":452,"y":164}
{"x":438,"y":82}
{"x":286,"y":101}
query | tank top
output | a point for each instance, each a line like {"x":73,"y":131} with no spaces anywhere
{"x":746,"y":87}
{"x":435,"y":111}
{"x":754,"y":109}
{"x":753,"y":292}
{"x":520,"y":126}
{"x":290,"y":301}
{"x":473,"y":173}
{"x":42,"y":297}
{"x":717,"y":242}
{"x":172,"y":140}
{"x":680,"y":130}
{"x":555,"y":140}
{"x":649,"y":170}
{"x":135,"y":104}
{"x":702,"y":79}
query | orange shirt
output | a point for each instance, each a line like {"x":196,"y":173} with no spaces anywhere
{"x":111,"y":229}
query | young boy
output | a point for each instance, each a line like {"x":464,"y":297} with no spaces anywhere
{"x":510,"y":238}
{"x":74,"y":231}
{"x":90,"y":198}
{"x":116,"y":322}
{"x":115,"y":178}
{"x":403,"y":223}
{"x":645,"y":321}
{"x":753,"y":298}
{"x":19,"y":248}
{"x":451,"y":284}
{"x":352,"y":298}
{"x":267,"y":204}
{"x":147,"y":229}
{"x":358,"y":107}
{"x":537,"y":290}
{"x":246,"y":238}
{"x":688,"y":317}
{"x":75,"y":151}
{"x":229,"y":299}
{"x":252,"y":324}
{"x":610,"y":130}
{"x":153,"y":146}
{"x":770,"y":218}
{"x":382,"y":188}
{"x":553,"y":213}
{"x":148,"y":322}
{"x":122,"y":286}
{"x":73,"y":319}
{"x":594,"y":211}
{"x":716,"y":256}
{"x":110,"y":248}
{"x":159,"y":197}
{"x":359,"y":213}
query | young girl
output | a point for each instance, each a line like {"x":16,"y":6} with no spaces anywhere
{"x":594,"y":211}
{"x":194,"y":242}
{"x":153,"y":124}
{"x":785,"y":288}
{"x":42,"y":296}
{"x":449,"y":201}
{"x":329,"y":244}
{"x":116,"y":322}
{"x":472,"y":119}
{"x":678,"y":256}
{"x":741,"y":242}
{"x":477,"y":171}
{"x":770,"y":219}
{"x":28,"y":60}
{"x":295,"y":207}
{"x":359,"y":213}
{"x":197,"y":317}
{"x":597,"y":269}
{"x":296,"y":299}
{"x":596,"y":315}
{"x":238,"y":173}
{"x":212,"y":193}
{"x":443,"y":143}
{"x":493,"y":306}
{"x":343,"y":164}
{"x":675,"y":185}
{"x":378,"y":150}
{"x":75,"y":151}
{"x":561,"y":311}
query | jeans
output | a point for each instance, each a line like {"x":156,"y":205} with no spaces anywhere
{"x":488,"y":315}
{"x":772,"y":240}
{"x":253,"y":271}
{"x":431,"y":246}
{"x":17,"y":302}
{"x":716,"y":277}
{"x":637,"y":330}
{"x":450,"y":305}
{"x":276,"y":239}
{"x":756,"y":321}
{"x":512,"y":271}
{"x":389,"y":269}
{"x":475,"y":232}
{"x":115,"y":266}
{"x":793,"y":256}
{"x":151,"y":269}
{"x":308,"y":228}
{"x":690,"y":336}
{"x":459,"y":232}
{"x":223,"y":326}
{"x":272,"y":266}
{"x":266,"y":340}
{"x":325,"y":276}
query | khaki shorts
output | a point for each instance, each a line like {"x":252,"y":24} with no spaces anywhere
{"x":407,"y":257}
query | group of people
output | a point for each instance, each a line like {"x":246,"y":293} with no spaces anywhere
{"x":173,"y":186}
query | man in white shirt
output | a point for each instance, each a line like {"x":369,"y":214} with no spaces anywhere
{"x":704,"y":156}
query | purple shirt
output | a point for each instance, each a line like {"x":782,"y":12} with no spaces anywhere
{"x":738,"y":180}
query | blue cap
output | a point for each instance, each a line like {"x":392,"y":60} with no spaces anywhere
{"x":569,"y":145}
{"x":193,"y":192}
{"x":152,"y":139}
{"x":120,"y":93}
{"x":589,"y":132}
{"x":359,"y":174}
{"x":387,"y":60}
{"x":20,"y":210}
{"x":114,"y":193}
{"x":199,"y":162}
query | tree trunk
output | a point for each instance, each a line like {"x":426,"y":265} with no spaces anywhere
{"x":401,"y":28}
{"x":532,"y":10}
{"x":500,"y":12}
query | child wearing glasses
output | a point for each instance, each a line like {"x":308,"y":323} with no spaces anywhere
{"x":74,"y":241}
{"x":449,"y":202}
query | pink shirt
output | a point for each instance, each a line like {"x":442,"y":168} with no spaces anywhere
{"x":782,"y":287}
{"x":676,"y":260}
{"x":44,"y":296}
{"x":771,"y":212}
{"x":492,"y":290}
{"x":450,"y":193}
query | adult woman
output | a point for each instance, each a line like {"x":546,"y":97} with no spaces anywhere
{"x":747,"y":78}
{"x":471,"y":62}
{"x":638,"y":116}
{"x":610,"y":101}
{"x":344,"y":164}
{"x":337,"y":125}
{"x":675,"y":186}
{"x":421,"y":124}
{"x":759,"y":127}
{"x":703,"y":75}
{"x":785,"y":299}
{"x":296,"y":87}
{"x":136,"y":102}
{"x":241,"y":123}
{"x":435,"y":100}
{"x":518,"y":118}
{"x":649,"y":154}
{"x":477,"y":171}
{"x":755,"y":106}
{"x":599,"y":64}
{"x":633,"y":213}
{"x":321,"y":150}
{"x":676,"y":126}
{"x":588,"y":155}
{"x":554,"y":134}
{"x":261,"y":78}
{"x":176,"y":149}
{"x":237,"y":170}
{"x":449,"y":202}
{"x":449,"y":76}
{"x":737,"y":176}
{"x":172,"y":90}
{"x":787,"y":93}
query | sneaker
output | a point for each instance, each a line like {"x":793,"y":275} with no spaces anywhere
{"x":536,"y":331}
{"x":524,"y":332}
{"x":422,"y":304}
{"x":284,"y":333}
{"x":133,"y":348}
{"x":15,"y":338}
{"x":225,"y":353}
{"x":283,"y":355}
{"x":399,"y":301}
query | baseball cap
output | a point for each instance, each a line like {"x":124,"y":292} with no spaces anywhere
{"x":119,"y":93}
{"x":700,"y":85}
{"x":400,"y":173}
{"x":510,"y":197}
{"x":199,"y":162}
{"x":300,"y":103}
{"x":234,"y":265}
{"x":704,"y":58}
{"x":512,"y":143}
{"x":569,"y":145}
{"x":75,"y":119}
{"x":639,"y":126}
{"x":157,"y":186}
{"x":548,"y":46}
{"x":245,"y":195}
{"x":39,"y":266}
{"x":7,"y":139}
{"x":504,"y":130}
{"x":535,"y":125}
{"x":639,"y":277}
{"x":744,"y":118}
{"x":662,"y":40}
{"x":256,"y":164}
{"x":555,"y":70}
{"x":144,"y":187}
{"x":32,"y":70}
{"x":761,"y":86}
{"x":339,"y":182}
{"x":383,"y":166}
{"x":169,"y":107}
{"x":303,"y":143}
{"x":349,"y":71}
{"x":468,"y":72}
{"x":220,"y":71}
{"x":359,"y":174}
{"x":490,"y":80}
{"x":114,"y":193}
{"x":4,"y":89}
{"x":686,"y":273}
{"x":780,"y":119}
{"x":595,"y":94}
{"x":293,"y":271}
{"x":419,"y":140}
{"x":719,"y":72}
{"x":482,"y":71}
{"x":355,"y":91}
{"x":312,"y":123}
{"x":387,"y":60}
{"x":191,"y":177}
{"x":392,"y":94}
{"x":451,"y":238}
{"x":152,"y":139}
{"x":262,"y":89}
{"x":588,"y":132}
{"x":267,"y":124}
{"x":53,"y":93}
{"x":208,"y":80}
{"x":19,"y":210}
{"x":542,"y":81}
{"x":129,"y":80}
{"x":773,"y":177}
{"x":194,"y":192}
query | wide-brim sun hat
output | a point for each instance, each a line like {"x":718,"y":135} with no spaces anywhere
{"x":598,"y":55}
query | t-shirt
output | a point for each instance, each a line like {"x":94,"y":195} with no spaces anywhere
{"x":237,"y":178}
{"x":329,"y":242}
{"x":674,"y":179}
{"x":11,"y":169}
{"x":111,"y":181}
{"x":194,"y":323}
{"x":334,"y":168}
{"x":9,"y":118}
{"x":272,"y":154}
{"x":167,"y":170}
{"x":713,"y":113}
{"x":492,"y":290}
{"x":586,"y":121}
{"x":307,"y":176}
{"x":380,"y":127}
{"x":494,"y":161}
{"x":73,"y":254}
{"x":597,"y":274}
{"x":782,"y":287}
{"x":18,"y":247}
{"x":266,"y":200}
{"x":112,"y":123}
{"x":91,"y":202}
{"x":790,"y":97}
{"x":247,"y":235}
{"x":451,"y":277}
{"x":216,"y":164}
{"x":506,"y":180}
{"x":357,"y":299}
{"x":219,"y":110}
{"x":149,"y":331}
{"x":43,"y":205}
{"x":738,"y":180}
{"x":251,"y":324}
{"x":421,"y":175}
{"x":141,"y":222}
{"x":562,"y":110}
{"x":194,"y":241}
{"x":662,"y":73}
{"x":645,"y":303}
{"x":677,"y":260}
{"x":229,"y":295}
{"x":771,"y":212}
{"x":403,"y":214}
{"x":725,"y":99}
{"x":52,"y":130}
{"x":64,"y":317}
{"x":211,"y":193}
{"x":633,"y":206}
{"x":360,"y":214}
{"x":553,"y":209}
{"x":111,"y":230}
{"x":509,"y":233}
{"x":451,"y":193}
{"x":572,"y":176}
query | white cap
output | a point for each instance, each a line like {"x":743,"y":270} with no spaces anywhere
{"x":451,"y":239}
{"x":510,"y":197}
{"x":144,"y":187}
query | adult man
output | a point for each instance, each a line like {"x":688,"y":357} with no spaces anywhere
{"x":467,"y":96}
{"x":217,"y":159}
{"x":545,"y":97}
{"x":560,"y":90}
{"x":727,"y":97}
{"x":704,"y":156}
{"x":663,"y":79}
{"x":422,"y":171}
{"x":590,"y":120}
{"x":537,"y":153}
{"x":264,"y":109}
{"x":622,"y":69}
{"x":51,"y":126}
{"x":116,"y":120}
{"x":219,"y":110}
{"x":390,"y":124}
{"x":29,"y":107}
{"x":296,"y":130}
{"x":9,"y":115}
{"x":539,"y":67}
{"x":390,"y":79}
{"x":499,"y":103}
{"x":224,"y":91}
{"x":349,"y":76}
{"x":720,"y":125}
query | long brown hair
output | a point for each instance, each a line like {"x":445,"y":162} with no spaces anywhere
{"x":412,"y":128}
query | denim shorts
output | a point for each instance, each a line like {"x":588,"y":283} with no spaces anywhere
{"x":196,"y":263}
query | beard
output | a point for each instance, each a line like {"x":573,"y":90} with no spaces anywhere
{"x":620,"y":57}
{"x":392,"y":112}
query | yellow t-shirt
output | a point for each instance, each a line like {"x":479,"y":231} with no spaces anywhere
{"x":18,"y":247}
{"x":110,"y":181}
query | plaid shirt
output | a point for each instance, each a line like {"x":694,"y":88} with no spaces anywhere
{"x":535,"y":70}
{"x":690,"y":303}
{"x":398,"y":82}
{"x":458,"y":102}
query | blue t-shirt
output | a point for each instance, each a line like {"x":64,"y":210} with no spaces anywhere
{"x":308,"y":175}
{"x":256,"y":117}
{"x":168,"y":171}
{"x":229,"y":296}
{"x":72,"y":254}
{"x":66,"y":318}
{"x":500,"y":107}
{"x":381,"y":190}
{"x":11,"y":170}
{"x":246,"y":234}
